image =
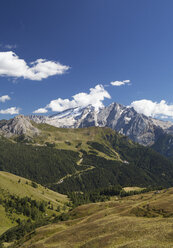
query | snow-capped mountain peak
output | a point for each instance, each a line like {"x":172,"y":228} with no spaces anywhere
{"x":126,"y":120}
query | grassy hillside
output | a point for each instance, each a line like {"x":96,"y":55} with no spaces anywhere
{"x":14,"y":186}
{"x":76,"y":139}
{"x":140,"y":221}
{"x":22,"y":187}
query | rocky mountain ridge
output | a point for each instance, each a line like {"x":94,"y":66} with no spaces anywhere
{"x":138,"y":127}
{"x":19,"y":125}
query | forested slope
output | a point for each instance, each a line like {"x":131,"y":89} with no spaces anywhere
{"x":100,"y":159}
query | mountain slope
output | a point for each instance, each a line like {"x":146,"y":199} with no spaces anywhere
{"x":164,"y":145}
{"x":91,"y":158}
{"x":39,"y":163}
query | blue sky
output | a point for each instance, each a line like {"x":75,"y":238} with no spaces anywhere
{"x":78,"y":45}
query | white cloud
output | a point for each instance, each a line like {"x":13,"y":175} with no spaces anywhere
{"x":95,"y":98}
{"x":12,"y":66}
{"x":154,"y":109}
{"x":4,"y":98}
{"x":40,"y":111}
{"x":10,"y":111}
{"x":61,"y":104}
{"x":119,"y":83}
{"x":8,"y":46}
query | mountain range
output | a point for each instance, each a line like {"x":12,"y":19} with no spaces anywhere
{"x":138,"y":127}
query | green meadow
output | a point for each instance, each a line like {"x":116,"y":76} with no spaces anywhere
{"x":12,"y":185}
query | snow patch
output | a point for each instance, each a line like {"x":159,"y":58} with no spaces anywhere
{"x":127,"y":119}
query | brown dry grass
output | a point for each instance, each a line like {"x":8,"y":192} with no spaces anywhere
{"x":111,"y":224}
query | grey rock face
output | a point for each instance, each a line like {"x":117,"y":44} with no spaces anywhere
{"x":17,"y":126}
{"x":126,"y":120}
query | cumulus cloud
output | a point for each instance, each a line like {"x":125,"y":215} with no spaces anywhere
{"x":95,"y":98}
{"x":40,"y":111}
{"x":4,"y":98}
{"x":12,"y":66}
{"x":154,"y":109}
{"x":119,"y":83}
{"x":61,"y":104}
{"x":10,"y":111}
